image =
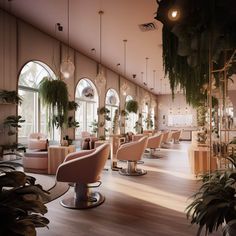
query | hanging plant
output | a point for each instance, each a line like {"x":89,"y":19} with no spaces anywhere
{"x":72,"y":106}
{"x":54,"y":95}
{"x":132,"y":106}
{"x":186,"y":43}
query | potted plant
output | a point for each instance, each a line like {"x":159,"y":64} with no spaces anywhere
{"x":124,"y":113}
{"x":21,"y":204}
{"x":72,"y":123}
{"x":10,"y":97}
{"x":214,"y":204}
{"x":72,"y":106}
{"x":12,"y":123}
{"x":132,"y":106}
{"x":105,"y":111}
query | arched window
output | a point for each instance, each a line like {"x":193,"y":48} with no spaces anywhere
{"x":87,"y":97}
{"x":130,"y":119}
{"x":145,"y":115}
{"x":112,"y":104}
{"x":31,"y":108}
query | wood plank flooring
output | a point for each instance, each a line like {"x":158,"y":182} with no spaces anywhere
{"x":147,"y":205}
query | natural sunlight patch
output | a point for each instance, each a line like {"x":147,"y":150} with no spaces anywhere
{"x":171,"y":172}
{"x":149,"y":194}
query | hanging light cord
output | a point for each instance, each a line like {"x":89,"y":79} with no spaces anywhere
{"x":146,"y":69}
{"x":68,"y":28}
{"x":125,"y":41}
{"x":100,"y":32}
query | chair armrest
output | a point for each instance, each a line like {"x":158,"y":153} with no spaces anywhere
{"x":125,"y":152}
{"x":74,"y":155}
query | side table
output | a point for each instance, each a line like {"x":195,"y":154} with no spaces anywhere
{"x":56,"y":156}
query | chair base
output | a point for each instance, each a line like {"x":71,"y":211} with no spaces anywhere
{"x":95,"y":199}
{"x":132,"y":170}
{"x":151,"y":154}
{"x":83,"y":198}
{"x":137,"y":172}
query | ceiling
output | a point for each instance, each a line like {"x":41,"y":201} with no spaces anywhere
{"x":121,"y":20}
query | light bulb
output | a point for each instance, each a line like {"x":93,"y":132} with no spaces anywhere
{"x":174,"y":14}
{"x":67,"y":68}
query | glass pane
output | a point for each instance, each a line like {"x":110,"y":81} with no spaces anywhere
{"x":130,"y":122}
{"x":87,"y":112}
{"x":32,"y":74}
{"x":27,"y":110}
{"x":31,"y":109}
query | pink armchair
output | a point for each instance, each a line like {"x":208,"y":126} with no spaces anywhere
{"x":132,"y":152}
{"x":176,"y":136}
{"x":37,"y":141}
{"x":154,"y":142}
{"x":83,"y":168}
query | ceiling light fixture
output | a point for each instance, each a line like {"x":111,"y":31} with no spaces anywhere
{"x":174,"y":14}
{"x":124,"y":87}
{"x":67,"y":67}
{"x":100,"y":79}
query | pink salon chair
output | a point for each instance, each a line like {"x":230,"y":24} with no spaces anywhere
{"x":83,"y":168}
{"x":153,"y":143}
{"x":132,"y":152}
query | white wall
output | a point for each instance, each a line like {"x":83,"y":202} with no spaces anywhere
{"x":178,"y":106}
{"x":21,"y":42}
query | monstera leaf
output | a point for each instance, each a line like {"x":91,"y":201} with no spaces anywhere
{"x":21,"y":204}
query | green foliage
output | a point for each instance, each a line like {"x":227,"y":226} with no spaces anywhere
{"x":215,"y":202}
{"x":94,"y":126}
{"x":58,"y":122}
{"x":138,"y":127}
{"x":115,"y":122}
{"x":105,"y":111}
{"x":201,"y":115}
{"x":186,"y":43}
{"x":149,"y":122}
{"x":12,"y":123}
{"x":132,"y":106}
{"x":72,"y":123}
{"x":72,"y":105}
{"x":10,"y":97}
{"x":124,"y":113}
{"x":21,"y":204}
{"x":54,"y":95}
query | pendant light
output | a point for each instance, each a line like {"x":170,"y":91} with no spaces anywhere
{"x":124,"y":87}
{"x":146,"y":82}
{"x":67,"y":67}
{"x":153,"y":80}
{"x":100,"y":79}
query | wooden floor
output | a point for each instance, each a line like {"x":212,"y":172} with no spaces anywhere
{"x":148,"y":205}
